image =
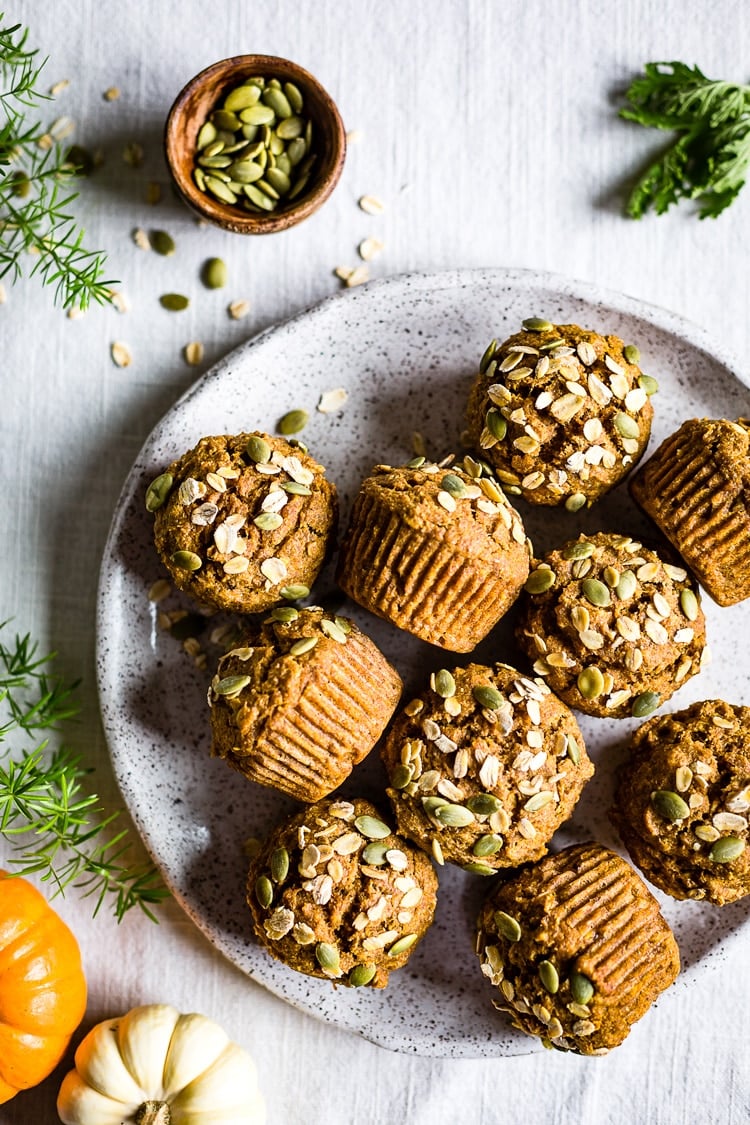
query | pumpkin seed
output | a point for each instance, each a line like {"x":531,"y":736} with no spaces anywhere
{"x":278,"y":102}
{"x":627,"y":585}
{"x":540,"y":580}
{"x":294,"y":592}
{"x":214,"y":274}
{"x":486,"y":358}
{"x":453,"y":816}
{"x":484,"y":804}
{"x":496,"y":424}
{"x":487,"y":696}
{"x":174,"y":302}
{"x":264,"y":891}
{"x":206,"y":134}
{"x":162,"y":242}
{"x":257,"y":114}
{"x":284,"y":613}
{"x":631,"y":353}
{"x":374,"y":854}
{"x":231,"y":685}
{"x":487,"y":845}
{"x":279,"y":865}
{"x":361,"y":975}
{"x":479,"y":869}
{"x":689,"y":604}
{"x":669,"y":805}
{"x":245,"y":172}
{"x":401,"y":776}
{"x":507,"y":926}
{"x":648,"y":384}
{"x":536,"y":324}
{"x":403,"y":943}
{"x":327,"y":956}
{"x":372,"y":828}
{"x":157,"y":491}
{"x":573,"y":750}
{"x":187,"y":560}
{"x":292,"y":422}
{"x":727,"y":849}
{"x":268,"y":521}
{"x":278,"y":180}
{"x":258,"y":197}
{"x":220,"y":190}
{"x":645,"y":704}
{"x":581,"y":988}
{"x":453,"y":485}
{"x":549,"y":977}
{"x":334,"y":631}
{"x":626,"y":426}
{"x":575,"y":502}
{"x":579,"y":550}
{"x":445,"y":685}
{"x":590,"y":683}
{"x":596,"y":592}
{"x":226,"y":119}
{"x":242,"y":97}
{"x":258,"y":450}
{"x":306,"y":644}
{"x":295,"y":488}
{"x":298,"y":188}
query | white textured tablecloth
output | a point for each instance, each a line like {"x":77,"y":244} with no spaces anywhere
{"x":490,"y":132}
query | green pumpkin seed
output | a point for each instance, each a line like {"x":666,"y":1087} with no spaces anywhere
{"x":245,"y":171}
{"x":258,"y":450}
{"x":264,"y":891}
{"x":372,"y":828}
{"x":631,"y":353}
{"x":507,"y":926}
{"x":579,"y":550}
{"x":292,"y":422}
{"x":284,"y":164}
{"x":220,"y":190}
{"x":581,"y":988}
{"x":294,"y":592}
{"x":487,"y":357}
{"x":626,"y":426}
{"x":540,"y":580}
{"x":225,"y":119}
{"x":200,"y":178}
{"x":487,"y":845}
{"x":279,"y":865}
{"x":536,"y":324}
{"x":575,"y":502}
{"x":590,"y":683}
{"x":214,"y":274}
{"x":206,"y":135}
{"x":595,"y":592}
{"x":401,"y":776}
{"x":549,"y":977}
{"x":453,"y":485}
{"x":258,"y":197}
{"x":430,"y":804}
{"x":162,"y":242}
{"x":215,"y":161}
{"x":496,"y":424}
{"x":327,"y":956}
{"x":645,"y":704}
{"x":479,"y":869}
{"x":290,"y":128}
{"x":278,"y":180}
{"x":669,"y":805}
{"x":374,"y":854}
{"x":573,"y":750}
{"x":627,"y":585}
{"x":174,"y":302}
{"x":250,"y":132}
{"x":403,"y":943}
{"x":445,"y":685}
{"x":689,"y":604}
{"x":242,"y":97}
{"x":187,"y":560}
{"x":332,"y":630}
{"x":214,"y":148}
{"x":268,"y":521}
{"x":294,"y":96}
{"x":361,"y":975}
{"x":296,"y":151}
{"x":487,"y":696}
{"x":157,"y":491}
{"x":296,"y":489}
{"x":231,"y":685}
{"x":298,"y":187}
{"x":284,"y":613}
{"x":484,"y":804}
{"x":648,"y":384}
{"x":278,"y":102}
{"x":257,"y":115}
{"x":727,"y":849}
{"x":306,"y":644}
{"x":454,"y":816}
{"x":264,"y":186}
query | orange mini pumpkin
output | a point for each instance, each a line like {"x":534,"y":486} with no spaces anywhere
{"x":42,"y":987}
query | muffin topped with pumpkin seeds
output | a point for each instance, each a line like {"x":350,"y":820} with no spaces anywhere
{"x":335,"y":893}
{"x":243,"y":522}
{"x":484,"y":766}
{"x":436,"y":549}
{"x":560,"y":412}
{"x":682,"y":806}
{"x":301,"y":702}
{"x":576,"y":948}
{"x":611,"y":627}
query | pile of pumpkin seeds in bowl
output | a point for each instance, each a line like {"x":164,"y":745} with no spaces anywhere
{"x":254,"y":151}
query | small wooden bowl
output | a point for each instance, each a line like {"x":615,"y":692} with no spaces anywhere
{"x":204,"y":93}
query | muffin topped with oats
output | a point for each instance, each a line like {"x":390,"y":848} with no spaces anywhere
{"x":484,"y":766}
{"x":682,"y":806}
{"x":301,"y":702}
{"x":335,"y":893}
{"x":561,"y":413}
{"x":436,"y":549}
{"x":243,"y":522}
{"x":612,"y":628}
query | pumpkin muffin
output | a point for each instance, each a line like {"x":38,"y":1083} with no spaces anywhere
{"x":696,"y":487}
{"x":301,"y":702}
{"x":560,"y":412}
{"x":576,"y":948}
{"x":437,"y":551}
{"x":484,"y":766}
{"x":613,"y":628}
{"x":335,"y":893}
{"x":683,"y":802}
{"x":243,"y":522}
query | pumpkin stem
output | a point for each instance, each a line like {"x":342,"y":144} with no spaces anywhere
{"x":153,"y":1113}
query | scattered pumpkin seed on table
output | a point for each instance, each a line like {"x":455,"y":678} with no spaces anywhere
{"x":255,"y":150}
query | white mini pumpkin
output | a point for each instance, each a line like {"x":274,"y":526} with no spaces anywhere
{"x":155,"y":1066}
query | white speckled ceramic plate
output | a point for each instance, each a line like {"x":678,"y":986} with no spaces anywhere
{"x":406,"y":350}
